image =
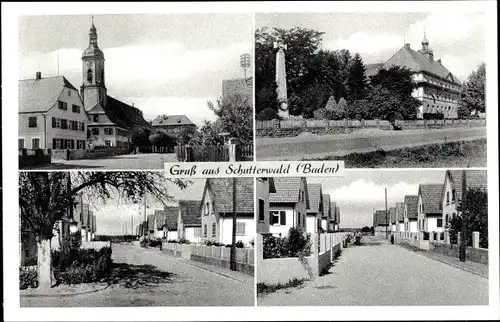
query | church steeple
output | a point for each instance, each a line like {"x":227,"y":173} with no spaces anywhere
{"x":93,"y":87}
{"x":425,"y":43}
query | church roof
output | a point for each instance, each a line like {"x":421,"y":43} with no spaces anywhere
{"x":171,"y":120}
{"x":39,"y":95}
{"x":416,"y":62}
{"x":93,"y":51}
{"x":121,"y":114}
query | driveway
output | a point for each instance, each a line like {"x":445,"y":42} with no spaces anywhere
{"x":307,"y":146}
{"x":379,"y":273}
{"x":166,"y":282}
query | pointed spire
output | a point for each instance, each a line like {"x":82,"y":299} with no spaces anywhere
{"x":93,"y":33}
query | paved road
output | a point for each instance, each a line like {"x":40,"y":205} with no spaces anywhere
{"x":385,"y":274}
{"x":309,"y":146}
{"x":120,"y":162}
{"x":188,"y":286}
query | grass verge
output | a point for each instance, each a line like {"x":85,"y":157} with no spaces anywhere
{"x":263,"y":288}
{"x":451,"y":154}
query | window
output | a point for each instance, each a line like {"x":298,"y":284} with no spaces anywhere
{"x":81,"y":126}
{"x":447,"y":197}
{"x":35,"y":143}
{"x":261,"y":210}
{"x":70,"y":144}
{"x":108,"y":131}
{"x":205,"y":230}
{"x":447,"y":219}
{"x":95,"y":118}
{"x":57,"y":143}
{"x":32,"y":121}
{"x":62,"y":105}
{"x":440,"y":222}
{"x":240,"y":229}
{"x":197,"y":232}
{"x":214,"y":229}
{"x":80,"y":144}
{"x":73,"y":125}
{"x":95,"y":131}
{"x":299,"y":217}
{"x":54,"y":122}
{"x":75,"y":108}
{"x":89,"y":75}
{"x":64,"y":124}
{"x":108,"y":143}
{"x":453,"y":195}
{"x":278,"y":217}
{"x":20,"y":143}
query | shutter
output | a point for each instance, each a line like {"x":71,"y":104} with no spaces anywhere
{"x":282,"y":218}
{"x":53,"y":122}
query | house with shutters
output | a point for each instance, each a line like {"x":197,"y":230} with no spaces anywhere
{"x":216,"y":210}
{"x":400,"y":210}
{"x":411,"y":214}
{"x":430,"y":218}
{"x":438,"y":89}
{"x":451,"y":192}
{"x":51,"y":114}
{"x":288,"y":205}
{"x":315,"y":210}
{"x":264,"y":187}
{"x":173,"y":124}
{"x":189,"y":221}
{"x":327,"y":212}
{"x":337,"y":218}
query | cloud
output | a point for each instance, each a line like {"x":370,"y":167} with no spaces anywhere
{"x":369,"y":192}
{"x":368,"y":43}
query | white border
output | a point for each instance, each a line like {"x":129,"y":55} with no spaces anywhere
{"x":10,"y":13}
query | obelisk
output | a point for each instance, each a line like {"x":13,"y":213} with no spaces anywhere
{"x":281,"y":80}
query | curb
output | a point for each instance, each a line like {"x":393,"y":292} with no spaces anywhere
{"x":64,"y":294}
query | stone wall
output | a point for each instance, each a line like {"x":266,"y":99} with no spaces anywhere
{"x":28,"y":157}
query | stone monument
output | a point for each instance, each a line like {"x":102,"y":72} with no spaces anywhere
{"x":281,"y":80}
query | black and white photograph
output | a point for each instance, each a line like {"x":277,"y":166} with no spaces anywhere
{"x":134,"y":91}
{"x":375,"y":89}
{"x":373,"y":238}
{"x":114,"y":239}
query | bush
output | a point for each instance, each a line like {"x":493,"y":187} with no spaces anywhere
{"x":154,"y":242}
{"x":172,"y":241}
{"x":212,"y":243}
{"x":74,"y":266}
{"x":267,"y":114}
{"x":298,"y":242}
{"x":322,"y":114}
{"x":27,"y":278}
{"x":184,"y":241}
{"x":273,"y":247}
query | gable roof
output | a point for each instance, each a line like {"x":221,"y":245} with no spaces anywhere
{"x":431,"y":197}
{"x":473,"y":179}
{"x":190,"y":213}
{"x":170,"y":216}
{"x":411,"y":203}
{"x":159,"y":219}
{"x":123,"y":114}
{"x":392,"y":214}
{"x":380,"y":218}
{"x":222,"y":194}
{"x":326,"y":206}
{"x":315,"y":196}
{"x":400,"y":209}
{"x":287,"y":190}
{"x":333,"y":210}
{"x":416,"y":61}
{"x":171,"y":120}
{"x":39,"y":95}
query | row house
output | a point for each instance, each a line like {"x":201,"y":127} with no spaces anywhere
{"x":429,"y":217}
{"x":381,"y":223}
{"x":264,"y":187}
{"x":392,"y":216}
{"x":189,"y":221}
{"x":410,"y":216}
{"x":315,"y":210}
{"x":288,"y":205}
{"x":51,"y":114}
{"x":165,"y":223}
{"x":327,"y":211}
{"x":332,"y":223}
{"x":216,"y":209}
{"x":400,"y":210}
{"x":337,"y":218}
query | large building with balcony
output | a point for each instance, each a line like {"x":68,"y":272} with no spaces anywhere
{"x":438,"y":89}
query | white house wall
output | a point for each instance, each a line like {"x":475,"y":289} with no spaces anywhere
{"x":451,"y":208}
{"x":276,"y":230}
{"x":227,"y":230}
{"x":311,"y":223}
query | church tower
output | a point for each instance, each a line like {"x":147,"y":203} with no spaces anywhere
{"x":93,"y":89}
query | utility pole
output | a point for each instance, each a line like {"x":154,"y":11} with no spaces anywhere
{"x":233,"y":246}
{"x":386,"y":217}
{"x":463,"y":240}
{"x":145,"y":222}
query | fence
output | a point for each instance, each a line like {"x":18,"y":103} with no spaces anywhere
{"x":214,"y":255}
{"x":213,"y":153}
{"x":97,"y":245}
{"x":67,"y":154}
{"x":325,"y":247}
{"x":277,"y":128}
{"x":34,"y":157}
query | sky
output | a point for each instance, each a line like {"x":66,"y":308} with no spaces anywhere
{"x":359,"y":192}
{"x":164,"y":63}
{"x":115,"y":216}
{"x":458,"y":38}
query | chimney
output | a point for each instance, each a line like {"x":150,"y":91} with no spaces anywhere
{"x":439,"y":60}
{"x":38,"y":75}
{"x":407,"y":46}
{"x":133,"y":105}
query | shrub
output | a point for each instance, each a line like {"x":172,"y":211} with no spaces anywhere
{"x":273,"y":247}
{"x":298,"y":242}
{"x":184,"y":241}
{"x":267,"y":114}
{"x":154,"y":242}
{"x":239,"y":244}
{"x":322,"y":114}
{"x":212,"y":243}
{"x":172,"y":241}
{"x":27,"y":278}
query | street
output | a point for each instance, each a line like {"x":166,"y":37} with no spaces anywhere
{"x":378,"y":273}
{"x":183,"y":285}
{"x":152,"y":161}
{"x":309,"y":146}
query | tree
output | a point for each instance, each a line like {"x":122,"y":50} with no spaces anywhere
{"x":356,"y":80}
{"x":162,"y":139}
{"x":140,"y":136}
{"x":473,"y":92}
{"x":235,"y":116}
{"x":340,"y":111}
{"x":359,"y":110}
{"x":47,"y":197}
{"x":331,"y":104}
{"x":185,"y":135}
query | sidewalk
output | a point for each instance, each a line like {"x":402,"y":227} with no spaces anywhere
{"x":468,"y":266}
